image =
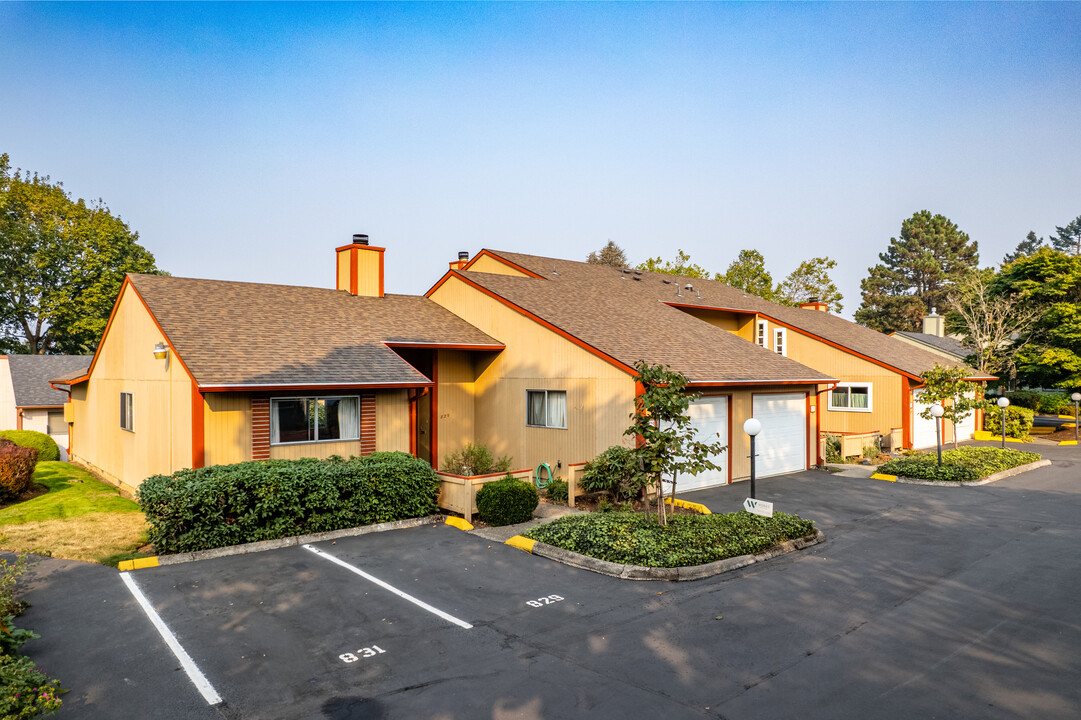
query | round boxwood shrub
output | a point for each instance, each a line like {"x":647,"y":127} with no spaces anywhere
{"x":16,"y":468}
{"x":45,"y":445}
{"x":507,"y":501}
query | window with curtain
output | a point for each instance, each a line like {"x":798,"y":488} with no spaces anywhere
{"x":316,"y":419}
{"x":546,"y":408}
{"x":851,"y":397}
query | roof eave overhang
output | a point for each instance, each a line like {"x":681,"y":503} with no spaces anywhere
{"x":279,"y":387}
{"x":446,"y":346}
{"x":729,"y":383}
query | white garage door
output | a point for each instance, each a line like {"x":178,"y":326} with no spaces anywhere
{"x":923,"y":431}
{"x":967,"y":427}
{"x":709,"y":415}
{"x":782,"y":445}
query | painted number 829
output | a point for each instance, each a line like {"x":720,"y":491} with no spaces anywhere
{"x":541,"y":602}
{"x":363,"y":652}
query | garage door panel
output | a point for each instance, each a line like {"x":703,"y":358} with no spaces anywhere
{"x":781,"y":447}
{"x":709,"y":416}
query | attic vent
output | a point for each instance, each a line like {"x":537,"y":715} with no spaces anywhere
{"x":637,"y":278}
{"x":666,"y":281}
{"x":637,"y":272}
{"x":689,"y":287}
{"x":359,"y":239}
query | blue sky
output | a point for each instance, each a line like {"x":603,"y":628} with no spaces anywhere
{"x":246,"y":141}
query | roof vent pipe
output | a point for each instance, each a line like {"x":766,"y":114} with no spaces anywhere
{"x":359,"y":239}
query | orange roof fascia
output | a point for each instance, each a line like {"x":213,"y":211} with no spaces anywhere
{"x":505,"y":261}
{"x":446,"y":346}
{"x":320,"y":388}
{"x":366,"y":247}
{"x":739,"y":383}
{"x":535,"y":318}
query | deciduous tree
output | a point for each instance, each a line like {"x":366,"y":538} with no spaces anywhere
{"x":995,"y":322}
{"x":748,"y":272}
{"x":947,"y":386}
{"x":811,"y":280}
{"x":62,"y":262}
{"x":667,"y":445}
{"x":916,"y":273}
{"x":681,"y":266}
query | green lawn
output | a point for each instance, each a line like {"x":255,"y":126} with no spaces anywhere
{"x":80,"y":518}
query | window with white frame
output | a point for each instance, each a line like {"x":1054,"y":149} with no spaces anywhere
{"x":314,"y":419}
{"x":126,"y":421}
{"x":851,"y":397}
{"x":546,"y":408}
{"x":780,"y":341}
{"x":760,"y":338}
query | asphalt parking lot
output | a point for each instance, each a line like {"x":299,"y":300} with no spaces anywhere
{"x":924,"y":602}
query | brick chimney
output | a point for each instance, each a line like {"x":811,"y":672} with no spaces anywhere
{"x":360,"y":268}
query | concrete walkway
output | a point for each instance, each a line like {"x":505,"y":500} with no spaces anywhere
{"x":856,"y":471}
{"x":545,"y":513}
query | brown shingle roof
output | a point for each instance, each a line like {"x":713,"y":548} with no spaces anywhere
{"x":714,"y":294}
{"x":616,"y":318}
{"x":234,"y":333}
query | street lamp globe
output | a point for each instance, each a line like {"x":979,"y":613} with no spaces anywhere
{"x":1076,"y":397}
{"x":752,"y":427}
{"x":1003,"y":402}
{"x":936,"y":411}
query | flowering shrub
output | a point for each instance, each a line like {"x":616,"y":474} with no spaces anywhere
{"x":16,"y":468}
{"x":26,"y":691}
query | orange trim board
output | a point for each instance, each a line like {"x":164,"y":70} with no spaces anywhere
{"x":198,"y":436}
{"x":322,"y":388}
{"x":535,"y":318}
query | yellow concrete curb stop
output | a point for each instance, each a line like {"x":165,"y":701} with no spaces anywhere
{"x":137,"y":564}
{"x":459,"y":523}
{"x":1068,"y":442}
{"x":697,"y":507}
{"x":522,"y":543}
{"x":884,"y":476}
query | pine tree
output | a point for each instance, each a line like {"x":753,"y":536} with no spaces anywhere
{"x":610,"y":254}
{"x":916,"y":273}
{"x":1068,"y":239}
{"x":1025,"y":248}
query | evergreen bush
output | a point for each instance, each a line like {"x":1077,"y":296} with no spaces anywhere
{"x":474,"y":460}
{"x":614,"y":471}
{"x":1018,"y":421}
{"x":225,"y":505}
{"x":506,"y":501}
{"x":45,"y":445}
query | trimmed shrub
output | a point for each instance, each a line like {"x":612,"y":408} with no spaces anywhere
{"x":474,"y":460}
{"x":507,"y":501}
{"x":16,"y":468}
{"x":225,"y":505}
{"x":927,"y":468}
{"x":1024,"y":398}
{"x":45,"y":445}
{"x":1018,"y":421}
{"x":638,"y":539}
{"x":557,"y":490}
{"x":614,"y":471}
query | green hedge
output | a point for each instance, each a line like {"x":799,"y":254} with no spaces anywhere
{"x":1018,"y":421}
{"x":231,"y":504}
{"x":1048,"y":403}
{"x":961,"y":465}
{"x":638,"y":539}
{"x":507,"y":501}
{"x":45,"y":445}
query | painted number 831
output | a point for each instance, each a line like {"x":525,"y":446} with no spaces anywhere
{"x":363,"y":653}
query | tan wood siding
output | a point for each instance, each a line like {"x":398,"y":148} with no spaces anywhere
{"x":161,"y":402}
{"x":392,"y":421}
{"x":342,"y":271}
{"x":369,"y":270}
{"x":456,"y":401}
{"x":600,"y":396}
{"x":317,"y":450}
{"x":487,"y":264}
{"x":228,"y":423}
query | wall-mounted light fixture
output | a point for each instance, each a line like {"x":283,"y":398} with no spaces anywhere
{"x":161,"y":351}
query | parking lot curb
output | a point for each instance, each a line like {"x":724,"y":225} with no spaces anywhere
{"x":1001,"y":475}
{"x":694,"y":572}
{"x":884,"y":476}
{"x":263,"y":545}
{"x":1068,"y":442}
{"x":522,"y":543}
{"x":459,"y":523}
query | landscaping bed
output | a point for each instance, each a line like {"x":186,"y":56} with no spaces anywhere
{"x":966,"y":464}
{"x":632,"y":538}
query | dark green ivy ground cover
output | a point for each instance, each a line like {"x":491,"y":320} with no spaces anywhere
{"x":638,"y":539}
{"x":962,"y":465}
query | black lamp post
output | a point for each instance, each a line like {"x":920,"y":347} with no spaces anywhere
{"x":1003,"y":402}
{"x":752,"y":427}
{"x":936,"y":413}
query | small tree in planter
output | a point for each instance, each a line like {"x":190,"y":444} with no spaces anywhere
{"x":948,"y":383}
{"x":666,"y":443}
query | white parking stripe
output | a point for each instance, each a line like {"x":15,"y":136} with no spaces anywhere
{"x":194,"y":673}
{"x":396,"y":591}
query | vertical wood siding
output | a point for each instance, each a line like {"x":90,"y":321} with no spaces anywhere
{"x":392,"y":421}
{"x":367,"y":424}
{"x":232,"y":427}
{"x":486,"y":264}
{"x":457,"y":390}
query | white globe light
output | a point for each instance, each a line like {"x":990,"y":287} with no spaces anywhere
{"x":936,"y":410}
{"x":752,"y":427}
{"x":1076,"y":397}
{"x":1003,"y":402}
